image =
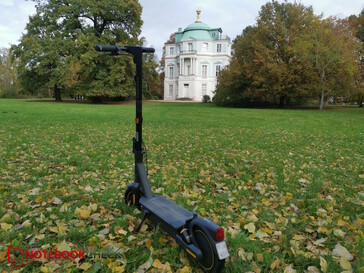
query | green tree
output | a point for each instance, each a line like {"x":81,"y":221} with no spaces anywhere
{"x":57,"y":50}
{"x":357,"y":27}
{"x":8,"y":79}
{"x":265,"y":65}
{"x":332,"y":52}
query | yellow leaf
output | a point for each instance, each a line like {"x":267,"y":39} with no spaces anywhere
{"x":3,"y":255}
{"x":298,"y":237}
{"x":5,"y":226}
{"x":44,"y":269}
{"x":345,"y":264}
{"x":250,"y":227}
{"x":260,"y":257}
{"x":148,"y":243}
{"x":131,"y":238}
{"x":146,"y":265}
{"x":40,"y":236}
{"x":260,"y":234}
{"x":342,"y":223}
{"x":64,"y":246}
{"x":83,"y":212}
{"x":54,"y":229}
{"x":85,"y":266}
{"x":157,"y":264}
{"x":186,"y":269}
{"x":267,"y":230}
{"x":5,"y":218}
{"x":38,"y":200}
{"x":323,"y":264}
{"x":93,"y":207}
{"x":324,"y":230}
{"x":118,"y":269}
{"x":275,"y":264}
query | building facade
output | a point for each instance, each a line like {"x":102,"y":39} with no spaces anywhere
{"x":193,"y":60}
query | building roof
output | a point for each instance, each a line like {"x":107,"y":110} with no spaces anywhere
{"x":197,"y":31}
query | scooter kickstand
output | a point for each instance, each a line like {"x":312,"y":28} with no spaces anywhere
{"x":142,"y":222}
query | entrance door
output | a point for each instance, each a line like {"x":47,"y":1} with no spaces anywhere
{"x":186,"y":88}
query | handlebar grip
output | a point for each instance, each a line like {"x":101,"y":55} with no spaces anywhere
{"x":107,"y":48}
{"x":148,"y":49}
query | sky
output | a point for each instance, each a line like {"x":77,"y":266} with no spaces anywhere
{"x":163,"y":17}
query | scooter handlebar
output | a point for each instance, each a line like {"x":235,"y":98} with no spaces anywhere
{"x":116,"y":49}
{"x":148,"y":50}
{"x":107,"y":48}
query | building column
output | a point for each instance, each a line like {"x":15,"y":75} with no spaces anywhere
{"x":196,"y":66}
{"x":180,"y":66}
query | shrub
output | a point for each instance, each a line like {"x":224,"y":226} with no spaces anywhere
{"x":206,"y":98}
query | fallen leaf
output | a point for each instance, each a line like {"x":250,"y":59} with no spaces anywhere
{"x":157,"y":264}
{"x":345,"y":264}
{"x":323,"y":264}
{"x":6,"y":217}
{"x":275,"y":264}
{"x":83,"y":212}
{"x":340,"y":251}
{"x":3,"y":255}
{"x":85,"y":266}
{"x":250,"y":227}
{"x":64,"y":246}
{"x":313,"y":269}
{"x":6,"y":227}
{"x":56,"y":201}
{"x":186,"y":269}
{"x":261,"y":234}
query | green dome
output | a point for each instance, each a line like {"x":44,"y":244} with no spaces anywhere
{"x":197,"y":26}
{"x":198,"y":31}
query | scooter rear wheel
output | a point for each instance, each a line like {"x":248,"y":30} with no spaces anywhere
{"x":210,"y":261}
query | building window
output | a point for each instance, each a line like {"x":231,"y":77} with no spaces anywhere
{"x":171,"y":72}
{"x":188,"y":70}
{"x":218,"y":68}
{"x":204,"y":89}
{"x":190,"y":47}
{"x":218,"y":48}
{"x":204,"y":70}
{"x":171,"y":89}
{"x":171,"y":50}
{"x":205,"y":47}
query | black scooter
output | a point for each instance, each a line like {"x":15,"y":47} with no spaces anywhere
{"x":202,"y":239}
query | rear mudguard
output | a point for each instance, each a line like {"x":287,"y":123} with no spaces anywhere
{"x":208,"y":227}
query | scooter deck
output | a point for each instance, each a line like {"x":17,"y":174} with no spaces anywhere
{"x":169,"y":212}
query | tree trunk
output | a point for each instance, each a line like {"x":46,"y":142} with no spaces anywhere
{"x":322,"y":93}
{"x":57,"y":93}
{"x":282,"y":101}
{"x":361,"y":101}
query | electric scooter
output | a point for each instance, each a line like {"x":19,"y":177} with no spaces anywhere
{"x":202,"y":239}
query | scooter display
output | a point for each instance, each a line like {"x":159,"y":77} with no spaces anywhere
{"x":203,"y":240}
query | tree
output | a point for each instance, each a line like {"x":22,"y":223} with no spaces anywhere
{"x":356,"y":24}
{"x":265,"y":63}
{"x":57,"y":50}
{"x":162,"y":64}
{"x":8,"y":79}
{"x":332,"y":53}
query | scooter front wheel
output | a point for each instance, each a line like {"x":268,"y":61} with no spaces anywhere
{"x":132,"y":198}
{"x":210,"y":261}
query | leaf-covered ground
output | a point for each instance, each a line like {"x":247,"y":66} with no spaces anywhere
{"x":286,"y":185}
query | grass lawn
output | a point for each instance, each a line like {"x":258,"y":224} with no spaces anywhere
{"x":286,"y":185}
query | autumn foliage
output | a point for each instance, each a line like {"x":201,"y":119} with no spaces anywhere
{"x":289,"y":55}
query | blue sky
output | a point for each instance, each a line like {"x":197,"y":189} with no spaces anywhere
{"x":163,"y":17}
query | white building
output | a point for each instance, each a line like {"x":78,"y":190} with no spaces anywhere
{"x":193,"y":61}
